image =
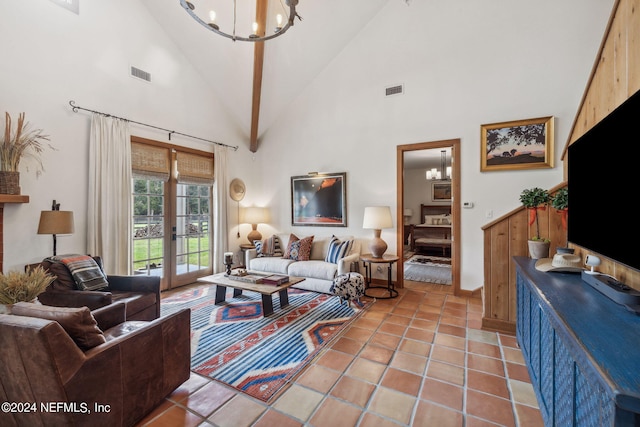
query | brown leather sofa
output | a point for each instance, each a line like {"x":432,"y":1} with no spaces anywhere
{"x":141,"y":294}
{"x":131,"y":368}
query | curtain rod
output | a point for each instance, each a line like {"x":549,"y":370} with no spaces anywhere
{"x":75,"y":109}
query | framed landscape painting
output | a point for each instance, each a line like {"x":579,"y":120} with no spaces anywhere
{"x":319,"y":199}
{"x":441,"y":192}
{"x":522,"y":144}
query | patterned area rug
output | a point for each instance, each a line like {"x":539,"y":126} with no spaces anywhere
{"x":234,"y":344}
{"x":421,"y":268}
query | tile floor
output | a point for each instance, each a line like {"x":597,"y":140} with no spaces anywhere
{"x":417,"y":360}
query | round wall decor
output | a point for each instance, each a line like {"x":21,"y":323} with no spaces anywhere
{"x":237,"y":189}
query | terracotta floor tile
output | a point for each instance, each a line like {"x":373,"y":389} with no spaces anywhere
{"x":176,"y":416}
{"x":398,"y":320}
{"x":513,"y":355}
{"x":373,"y":420}
{"x":335,"y":413}
{"x":366,"y":370}
{"x":428,"y":315}
{"x":428,"y":415}
{"x":318,"y":378}
{"x":377,"y":353}
{"x":336,"y":360}
{"x":448,"y":355}
{"x":445,"y":372}
{"x":367,"y":323}
{"x":208,"y":398}
{"x":523,"y":393}
{"x":385,"y":340}
{"x":392,"y":404}
{"x":427,"y":325}
{"x":454,"y":312}
{"x":157,"y":411}
{"x":194,"y":382}
{"x":452,"y":330}
{"x":508,"y":340}
{"x":273,"y":418}
{"x":442,"y":393}
{"x":420,"y":334}
{"x":528,"y":416}
{"x":453,"y":320}
{"x":239,"y":411}
{"x":518,"y":372}
{"x":450,"y":341}
{"x":358,"y":334}
{"x":415,"y":347}
{"x":353,"y":390}
{"x":474,"y":324}
{"x":392,"y":328}
{"x":399,"y":311}
{"x":483,"y":336}
{"x":409,"y":362}
{"x":490,"y":408}
{"x":402,"y":381}
{"x":347,"y":345}
{"x":487,"y":383}
{"x":485,"y":364}
{"x":298,"y":402}
{"x":484,"y":349}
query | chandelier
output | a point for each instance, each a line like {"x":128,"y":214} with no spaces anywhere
{"x":258,"y":34}
{"x":445,"y":171}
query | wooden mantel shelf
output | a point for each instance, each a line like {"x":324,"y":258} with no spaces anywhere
{"x":7,"y":198}
{"x":13,"y":198}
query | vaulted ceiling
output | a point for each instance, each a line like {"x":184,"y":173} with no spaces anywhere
{"x":290,"y":62}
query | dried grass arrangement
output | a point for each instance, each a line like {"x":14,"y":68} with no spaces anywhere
{"x":16,"y":286}
{"x":22,"y":142}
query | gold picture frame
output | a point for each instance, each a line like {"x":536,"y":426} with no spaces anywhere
{"x":441,"y":192}
{"x":515,"y":145}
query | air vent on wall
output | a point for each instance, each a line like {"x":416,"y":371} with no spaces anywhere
{"x":140,"y":74}
{"x":394,"y":90}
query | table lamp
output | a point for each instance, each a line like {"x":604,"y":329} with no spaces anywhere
{"x":377,"y":218}
{"x":254,"y":216}
{"x":55,"y":222}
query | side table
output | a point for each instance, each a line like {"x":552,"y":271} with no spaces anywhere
{"x":244,"y":248}
{"x":368,"y":260}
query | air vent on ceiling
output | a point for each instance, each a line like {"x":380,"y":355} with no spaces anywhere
{"x":394,"y":90}
{"x":140,"y":74}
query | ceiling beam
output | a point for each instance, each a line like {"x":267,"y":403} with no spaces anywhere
{"x":258,"y":65}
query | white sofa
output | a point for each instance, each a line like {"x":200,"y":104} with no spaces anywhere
{"x":318,"y":273}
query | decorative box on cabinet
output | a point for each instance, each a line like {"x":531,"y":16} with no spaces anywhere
{"x":582,"y":350}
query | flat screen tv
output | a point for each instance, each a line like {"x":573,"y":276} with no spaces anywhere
{"x":603,"y":178}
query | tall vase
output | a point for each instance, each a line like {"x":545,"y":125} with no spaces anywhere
{"x":9,"y":182}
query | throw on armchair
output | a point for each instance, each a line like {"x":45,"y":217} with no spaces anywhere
{"x":141,"y":294}
{"x":95,"y":368}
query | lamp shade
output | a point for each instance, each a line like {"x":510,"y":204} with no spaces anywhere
{"x":377,"y":217}
{"x":255,"y":215}
{"x":56,"y":222}
{"x":408,"y":212}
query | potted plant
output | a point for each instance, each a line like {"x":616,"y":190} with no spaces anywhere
{"x":17,"y":286}
{"x":14,"y":145}
{"x":534,"y":199}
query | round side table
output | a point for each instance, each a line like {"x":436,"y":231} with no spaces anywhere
{"x":368,"y":260}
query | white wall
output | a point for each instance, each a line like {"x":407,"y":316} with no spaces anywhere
{"x":463,"y":64}
{"x":51,"y":56}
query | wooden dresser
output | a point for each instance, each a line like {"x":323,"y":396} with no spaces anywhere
{"x":582,"y":350}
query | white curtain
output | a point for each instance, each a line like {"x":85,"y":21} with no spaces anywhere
{"x":220,"y":196}
{"x":109,"y":221}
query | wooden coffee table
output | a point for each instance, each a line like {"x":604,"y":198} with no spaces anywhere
{"x":222,"y":282}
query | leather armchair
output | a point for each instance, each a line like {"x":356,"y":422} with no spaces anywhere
{"x":126,"y":377}
{"x":141,"y":294}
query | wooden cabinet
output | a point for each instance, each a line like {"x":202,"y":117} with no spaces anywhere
{"x":581,"y":350}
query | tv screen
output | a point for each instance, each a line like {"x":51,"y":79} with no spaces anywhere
{"x":603,"y":177}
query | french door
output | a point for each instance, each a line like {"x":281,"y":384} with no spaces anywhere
{"x":172,"y":217}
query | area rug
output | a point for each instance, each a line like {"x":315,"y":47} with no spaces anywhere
{"x":422,"y":268}
{"x":235,"y":344}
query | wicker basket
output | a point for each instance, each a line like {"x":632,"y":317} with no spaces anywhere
{"x":9,"y":182}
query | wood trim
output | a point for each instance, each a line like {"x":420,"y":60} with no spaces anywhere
{"x":170,"y":146}
{"x":455,"y":145}
{"x":258,"y":66}
{"x":498,"y":326}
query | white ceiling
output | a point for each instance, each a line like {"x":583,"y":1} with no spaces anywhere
{"x":291,"y":61}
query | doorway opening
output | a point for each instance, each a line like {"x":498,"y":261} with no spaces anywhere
{"x":435,"y":196}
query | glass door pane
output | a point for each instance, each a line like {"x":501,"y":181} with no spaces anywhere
{"x":148,"y":227}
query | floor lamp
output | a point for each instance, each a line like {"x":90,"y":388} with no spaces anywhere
{"x":55,"y":222}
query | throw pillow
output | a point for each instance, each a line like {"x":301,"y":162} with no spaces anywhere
{"x":85,"y":271}
{"x":79,"y":323}
{"x":337,"y":250}
{"x":299,"y":249}
{"x":269,"y":247}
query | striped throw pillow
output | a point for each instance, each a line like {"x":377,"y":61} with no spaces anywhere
{"x":337,"y":250}
{"x":269,"y":247}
